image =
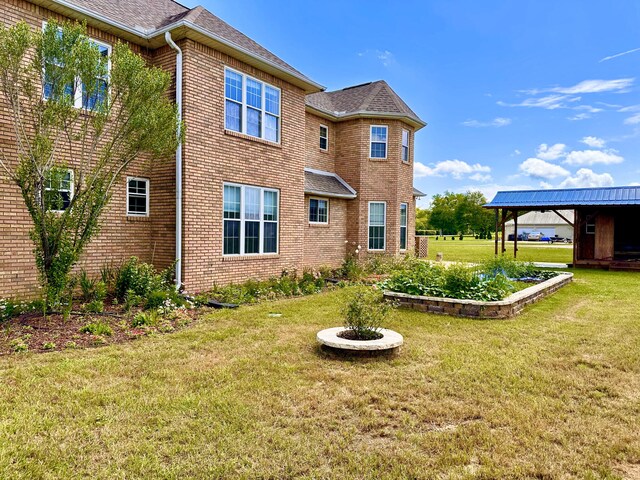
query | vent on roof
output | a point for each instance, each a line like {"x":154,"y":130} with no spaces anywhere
{"x":357,"y":86}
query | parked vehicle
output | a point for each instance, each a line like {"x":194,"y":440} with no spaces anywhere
{"x":557,"y":239}
{"x":535,"y":236}
{"x":511,"y":237}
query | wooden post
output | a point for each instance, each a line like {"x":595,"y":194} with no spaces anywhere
{"x":576,"y":236}
{"x":504,"y":221}
{"x":495,"y":236}
{"x":515,"y":233}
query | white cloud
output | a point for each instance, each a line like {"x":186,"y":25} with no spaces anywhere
{"x":580,"y":116}
{"x":550,"y":102}
{"x":593,"y":142}
{"x":480,"y":177}
{"x":383,"y":56}
{"x":552,"y":152}
{"x":591,"y":157}
{"x":632,"y":120}
{"x":517,"y":152}
{"x":496,"y":122}
{"x":611,"y":57}
{"x":587,"y":178}
{"x":455,"y":168}
{"x":588,"y":86}
{"x":546,"y":185}
{"x":536,"y":168}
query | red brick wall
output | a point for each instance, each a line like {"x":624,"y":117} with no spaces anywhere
{"x":213,"y":156}
{"x":324,"y":245}
{"x":316,"y":157}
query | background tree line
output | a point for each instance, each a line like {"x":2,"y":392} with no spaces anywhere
{"x":456,"y":213}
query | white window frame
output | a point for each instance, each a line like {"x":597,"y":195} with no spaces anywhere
{"x":77,"y":83}
{"x":242,"y":220}
{"x":309,"y":216}
{"x":406,"y":230}
{"x":71,"y":190}
{"x":148,"y":195}
{"x":244,"y":106}
{"x":386,"y":141}
{"x":326,"y":138}
{"x":403,"y":146}
{"x":384,"y":226}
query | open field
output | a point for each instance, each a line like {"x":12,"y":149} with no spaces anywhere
{"x":551,"y":394}
{"x":472,"y":250}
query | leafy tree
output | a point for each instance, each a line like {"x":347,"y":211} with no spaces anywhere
{"x":461,"y":213}
{"x":422,"y":220}
{"x":70,"y":104}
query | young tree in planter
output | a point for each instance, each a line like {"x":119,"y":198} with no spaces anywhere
{"x":80,"y":114}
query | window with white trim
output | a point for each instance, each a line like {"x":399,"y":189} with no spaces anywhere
{"x":58,"y":190}
{"x":250,"y":220}
{"x":318,"y":210}
{"x":137,"y":197}
{"x":378,"y":141}
{"x":405,"y":146}
{"x":403,"y":226}
{"x":81,"y":96}
{"x":252,"y":107}
{"x":377,"y":225}
{"x":324,"y":137}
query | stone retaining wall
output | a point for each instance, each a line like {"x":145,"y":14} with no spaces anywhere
{"x":507,"y":308}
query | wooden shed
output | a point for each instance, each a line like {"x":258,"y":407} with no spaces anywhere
{"x":606,"y":226}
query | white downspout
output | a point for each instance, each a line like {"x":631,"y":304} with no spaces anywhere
{"x":172,"y":44}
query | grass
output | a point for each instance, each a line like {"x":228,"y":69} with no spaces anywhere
{"x":551,"y":394}
{"x":472,"y":250}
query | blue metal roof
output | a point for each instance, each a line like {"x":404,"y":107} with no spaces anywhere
{"x":572,"y":197}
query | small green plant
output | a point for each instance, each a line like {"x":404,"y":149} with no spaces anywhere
{"x":18,"y":345}
{"x":149,"y":318}
{"x":87,"y":286}
{"x":71,"y":345}
{"x":365,"y":312}
{"x":96,"y":306}
{"x":97,"y":328}
{"x":48,"y":346}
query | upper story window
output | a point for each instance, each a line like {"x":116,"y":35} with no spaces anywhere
{"x":378,"y":141}
{"x":405,"y":146}
{"x":251,"y":106}
{"x":324,"y":137}
{"x":403,"y":226}
{"x":137,"y":196}
{"x":377,"y":225}
{"x":58,"y":190}
{"x":81,"y":95}
{"x":250,"y":220}
{"x":318,"y":210}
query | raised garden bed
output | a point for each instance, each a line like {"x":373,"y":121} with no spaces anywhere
{"x":506,"y":308}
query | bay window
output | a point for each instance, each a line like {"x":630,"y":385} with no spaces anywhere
{"x":378,"y":141}
{"x":377,"y":225}
{"x":405,"y":146}
{"x":318,"y":210}
{"x":403,"y":226}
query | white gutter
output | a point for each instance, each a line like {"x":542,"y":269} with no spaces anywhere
{"x":172,"y":44}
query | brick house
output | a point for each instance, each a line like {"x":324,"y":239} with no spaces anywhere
{"x":275,"y":172}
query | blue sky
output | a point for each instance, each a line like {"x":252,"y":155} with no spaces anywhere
{"x":516,"y":94}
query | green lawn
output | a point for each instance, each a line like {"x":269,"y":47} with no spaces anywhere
{"x":472,"y":250}
{"x":553,"y":393}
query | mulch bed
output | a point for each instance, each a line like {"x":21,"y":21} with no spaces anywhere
{"x":53,"y":333}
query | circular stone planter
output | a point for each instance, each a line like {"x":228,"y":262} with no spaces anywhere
{"x":389,"y":342}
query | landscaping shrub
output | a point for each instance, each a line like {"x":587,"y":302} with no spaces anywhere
{"x":146,"y":319}
{"x":97,"y":328}
{"x":141,"y":279}
{"x":96,"y":306}
{"x":365,"y":313}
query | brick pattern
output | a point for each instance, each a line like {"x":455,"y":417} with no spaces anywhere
{"x":211,"y":157}
{"x":422,"y":246}
{"x":324,"y":245}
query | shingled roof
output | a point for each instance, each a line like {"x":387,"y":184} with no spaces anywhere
{"x":328,"y":184}
{"x":150,"y":19}
{"x":368,"y":99}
